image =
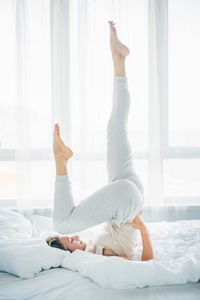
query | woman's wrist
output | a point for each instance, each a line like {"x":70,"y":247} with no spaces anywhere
{"x":144,"y":231}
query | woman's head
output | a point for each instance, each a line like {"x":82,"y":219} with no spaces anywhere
{"x":66,"y":243}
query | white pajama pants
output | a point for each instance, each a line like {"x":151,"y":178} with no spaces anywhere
{"x":122,"y":198}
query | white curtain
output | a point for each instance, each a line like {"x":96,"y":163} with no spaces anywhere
{"x":57,"y":67}
{"x":81,"y":30}
{"x":26,"y":107}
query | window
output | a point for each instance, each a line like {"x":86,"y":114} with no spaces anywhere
{"x":56,"y":61}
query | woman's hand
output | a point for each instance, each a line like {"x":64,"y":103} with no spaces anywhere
{"x":137,"y":222}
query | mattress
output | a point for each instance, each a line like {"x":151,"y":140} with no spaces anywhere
{"x":64,"y":284}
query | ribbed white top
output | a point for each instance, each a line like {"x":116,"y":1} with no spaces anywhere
{"x":122,"y":240}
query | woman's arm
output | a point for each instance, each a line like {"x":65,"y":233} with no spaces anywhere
{"x":147,"y":252}
{"x":97,"y":249}
{"x":108,"y":252}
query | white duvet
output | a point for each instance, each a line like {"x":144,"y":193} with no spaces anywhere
{"x":119,"y":273}
{"x":24,"y":252}
{"x":177,"y":260}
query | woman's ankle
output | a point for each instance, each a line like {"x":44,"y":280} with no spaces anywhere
{"x":119,"y":67}
{"x":61,"y":168}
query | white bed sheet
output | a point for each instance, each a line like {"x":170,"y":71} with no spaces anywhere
{"x":64,"y":284}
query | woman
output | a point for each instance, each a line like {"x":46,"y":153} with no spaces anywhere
{"x":121,"y":200}
{"x":73,"y":243}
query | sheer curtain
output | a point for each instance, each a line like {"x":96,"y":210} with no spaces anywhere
{"x":26,"y":106}
{"x":88,"y":78}
{"x":57,"y":67}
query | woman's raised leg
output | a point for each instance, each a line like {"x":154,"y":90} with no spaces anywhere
{"x":115,"y":201}
{"x":118,"y":201}
{"x":119,"y":155}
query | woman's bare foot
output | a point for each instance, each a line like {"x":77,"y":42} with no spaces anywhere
{"x":59,"y":148}
{"x":118,"y":49}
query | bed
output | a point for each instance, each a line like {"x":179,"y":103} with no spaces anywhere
{"x":61,"y":283}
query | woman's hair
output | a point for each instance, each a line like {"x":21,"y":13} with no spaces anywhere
{"x":53,"y":241}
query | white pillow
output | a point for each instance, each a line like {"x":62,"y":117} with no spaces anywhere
{"x":42,"y":226}
{"x":13,"y":224}
{"x":29,"y":256}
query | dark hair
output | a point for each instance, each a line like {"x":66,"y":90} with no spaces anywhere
{"x":53,"y":241}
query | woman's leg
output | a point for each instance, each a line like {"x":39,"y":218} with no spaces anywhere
{"x":119,"y":154}
{"x":115,"y":201}
{"x":118,"y":201}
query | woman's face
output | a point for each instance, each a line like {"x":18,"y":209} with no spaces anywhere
{"x":73,"y":243}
